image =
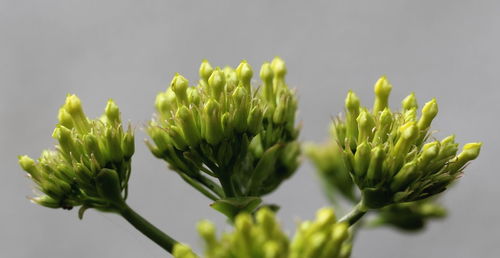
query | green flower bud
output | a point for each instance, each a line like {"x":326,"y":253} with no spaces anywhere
{"x":128,"y":145}
{"x":244,"y":73}
{"x":375,"y":168}
{"x":183,"y":251}
{"x":73,"y":106}
{"x":177,"y":137}
{"x":179,"y":86}
{"x":255,"y":120}
{"x":205,"y":70}
{"x":266,"y":75}
{"x":361,"y":159}
{"x":240,"y":96}
{"x":29,"y":165}
{"x":213,"y":130}
{"x":469,"y":152}
{"x":429,"y":111}
{"x":112,"y":112}
{"x":65,"y":118}
{"x":382,"y":90}
{"x":384,"y":126}
{"x":279,"y":67}
{"x":188,"y":125}
{"x":216,"y":82}
{"x":366,"y":123}
{"x":404,"y":177}
{"x":410,"y":102}
{"x":352,"y":113}
{"x":231,"y":78}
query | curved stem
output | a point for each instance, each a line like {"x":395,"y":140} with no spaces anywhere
{"x":152,"y":232}
{"x":355,"y":214}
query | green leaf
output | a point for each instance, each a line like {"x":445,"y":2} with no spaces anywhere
{"x":233,"y":206}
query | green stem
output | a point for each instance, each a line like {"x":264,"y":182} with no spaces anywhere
{"x":152,"y":232}
{"x":355,"y":214}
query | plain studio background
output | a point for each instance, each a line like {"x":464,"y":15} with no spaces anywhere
{"x":129,"y":51}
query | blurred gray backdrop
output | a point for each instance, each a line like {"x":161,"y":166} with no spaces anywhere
{"x":129,"y":50}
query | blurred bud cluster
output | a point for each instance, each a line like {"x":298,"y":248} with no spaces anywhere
{"x":262,"y":236}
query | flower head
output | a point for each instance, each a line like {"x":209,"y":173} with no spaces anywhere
{"x":90,"y":165}
{"x":224,"y":128}
{"x":389,"y":155}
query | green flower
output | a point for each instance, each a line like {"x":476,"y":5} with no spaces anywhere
{"x":263,"y":237}
{"x":224,"y":129}
{"x":387,"y":153}
{"x":90,"y":165}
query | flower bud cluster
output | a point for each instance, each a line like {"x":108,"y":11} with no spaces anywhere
{"x":263,"y":237}
{"x":90,"y":165}
{"x":224,"y":128}
{"x":387,"y":154}
{"x":410,"y":216}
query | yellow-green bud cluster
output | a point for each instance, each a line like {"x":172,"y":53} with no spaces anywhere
{"x":223,"y":127}
{"x":91,"y":163}
{"x":387,"y":154}
{"x":263,"y":237}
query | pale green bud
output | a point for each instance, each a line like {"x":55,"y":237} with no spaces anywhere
{"x":216,"y":83}
{"x":177,"y":137}
{"x":188,"y":125}
{"x":46,"y":201}
{"x":212,"y":120}
{"x":382,"y":90}
{"x":112,"y":112}
{"x":183,"y":251}
{"x":241,"y":113}
{"x":384,"y":126}
{"x":255,"y":120}
{"x":231,"y":78}
{"x":245,"y":73}
{"x":227,"y":125}
{"x":29,"y":165}
{"x":93,"y":148}
{"x":374,"y":173}
{"x":179,"y":86}
{"x":404,"y":177}
{"x":128,"y":145}
{"x":205,"y":70}
{"x":362,"y":159}
{"x":113,"y":145}
{"x":429,"y":111}
{"x":429,"y":152}
{"x":266,"y":75}
{"x":410,"y":102}
{"x":366,"y":123}
{"x":65,"y":118}
{"x":73,"y":106}
{"x":469,"y":152}
{"x":279,"y":68}
{"x":408,"y":134}
{"x":352,"y":113}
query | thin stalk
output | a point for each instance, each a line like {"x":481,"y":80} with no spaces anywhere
{"x":146,"y":228}
{"x":355,"y":214}
{"x":198,"y":187}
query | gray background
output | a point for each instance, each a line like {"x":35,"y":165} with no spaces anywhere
{"x":129,"y":50}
